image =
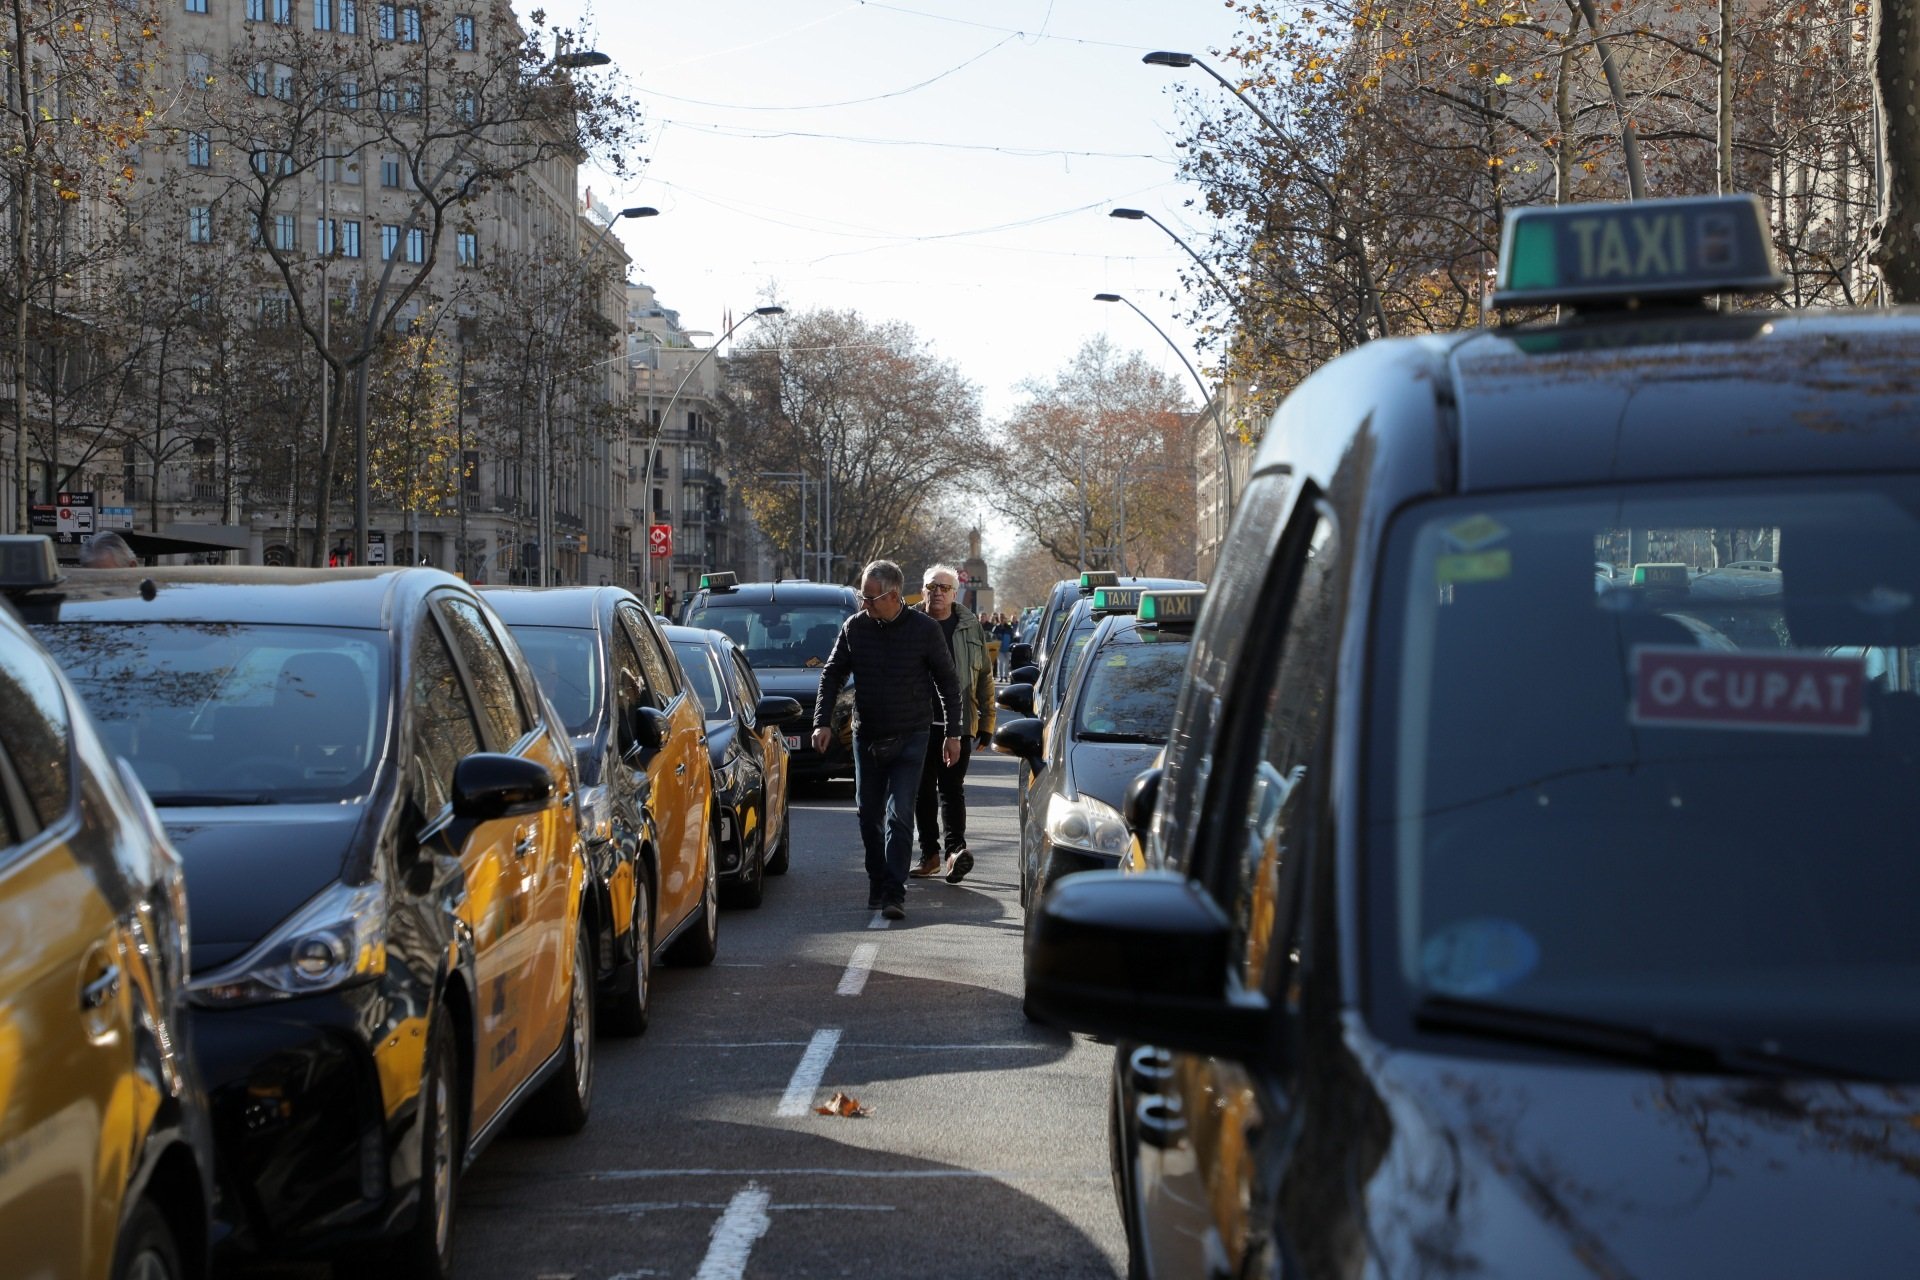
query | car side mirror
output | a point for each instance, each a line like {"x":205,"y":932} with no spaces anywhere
{"x":1017,"y":698}
{"x":777,"y":711}
{"x":1024,"y":673}
{"x":1020,"y":655}
{"x":1019,"y":738}
{"x":648,"y":730}
{"x":1137,"y":806}
{"x":1140,"y":957}
{"x":488,"y":785}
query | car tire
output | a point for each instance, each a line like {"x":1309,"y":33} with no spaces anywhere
{"x":425,"y":1250}
{"x":564,"y":1102}
{"x":146,"y":1250}
{"x":627,"y":1013}
{"x":697,"y":947}
{"x":750,"y":891}
{"x":777,"y":864}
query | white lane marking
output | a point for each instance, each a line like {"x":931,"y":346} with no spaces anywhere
{"x":807,"y":1076}
{"x":855,"y":978}
{"x":734,"y":1234}
{"x":879,"y":921}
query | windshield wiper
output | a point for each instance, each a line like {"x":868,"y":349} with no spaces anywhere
{"x":197,"y":799}
{"x":1646,"y":1046}
{"x":1140,"y":739}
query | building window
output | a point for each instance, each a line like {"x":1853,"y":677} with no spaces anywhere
{"x":389,"y":99}
{"x":259,"y":79}
{"x":276,"y":311}
{"x":323,"y":15}
{"x":462,"y":31}
{"x":199,"y":70}
{"x":411,"y":98}
{"x":466,"y":249}
{"x":286,"y":231}
{"x":386,"y":19}
{"x":283,"y":12}
{"x":349,"y":17}
{"x":199,"y":225}
{"x":390,"y":171}
{"x":196,"y":6}
{"x":283,"y":82}
{"x":260,"y":160}
{"x":389,"y":241}
{"x":466,"y":106}
{"x":349,"y":95}
{"x":416,"y":244}
{"x":199,"y":149}
{"x":256,"y":10}
{"x":410,"y":25}
{"x":350,"y":239}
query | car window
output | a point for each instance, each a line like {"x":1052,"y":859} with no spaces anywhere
{"x":696,"y":660}
{"x":1688,"y":797}
{"x":444,"y":729}
{"x":493,"y":687}
{"x":749,"y":682}
{"x":1130,"y":686}
{"x":1292,"y":691}
{"x":629,"y":684}
{"x":779,"y":633}
{"x":35,"y":730}
{"x":661,"y":683}
{"x":567,"y":666}
{"x":1066,"y":655}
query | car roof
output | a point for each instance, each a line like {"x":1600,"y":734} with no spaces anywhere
{"x":556,"y":606}
{"x":1660,"y":394}
{"x":797,"y":591}
{"x":701,"y":635}
{"x":366,"y":597}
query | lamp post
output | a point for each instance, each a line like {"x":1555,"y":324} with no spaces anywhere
{"x":1213,"y":406}
{"x":653,"y":440}
{"x":1134,"y":215}
{"x":1347,"y":233}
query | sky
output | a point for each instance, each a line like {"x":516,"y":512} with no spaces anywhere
{"x":945,"y":163}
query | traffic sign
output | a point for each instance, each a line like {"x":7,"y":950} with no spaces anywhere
{"x":376,"y":546}
{"x":660,"y":541}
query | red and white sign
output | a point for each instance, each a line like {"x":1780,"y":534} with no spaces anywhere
{"x":660,"y":541}
{"x":1787,"y":692}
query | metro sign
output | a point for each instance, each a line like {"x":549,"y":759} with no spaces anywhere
{"x":660,"y":541}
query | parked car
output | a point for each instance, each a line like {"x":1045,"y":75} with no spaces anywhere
{"x":648,"y":821}
{"x":747,"y":743}
{"x":375,"y":807}
{"x":106,"y":1149}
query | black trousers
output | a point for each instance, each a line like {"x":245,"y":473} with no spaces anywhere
{"x":943,"y":801}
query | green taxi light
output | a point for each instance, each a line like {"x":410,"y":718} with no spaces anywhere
{"x":1623,"y":254}
{"x":1093,"y":578}
{"x":719,"y":581}
{"x":1171,"y":608}
{"x":1115,"y":599}
{"x":27,"y":562}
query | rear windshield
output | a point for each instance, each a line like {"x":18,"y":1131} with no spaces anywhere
{"x":774,"y":633}
{"x":567,"y":665}
{"x":1130,"y":688}
{"x":211,"y":713}
{"x":1682,"y":799}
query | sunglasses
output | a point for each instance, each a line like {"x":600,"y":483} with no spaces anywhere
{"x":938,"y":586}
{"x":882,"y":596}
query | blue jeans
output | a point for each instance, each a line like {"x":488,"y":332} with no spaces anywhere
{"x":886,"y":781}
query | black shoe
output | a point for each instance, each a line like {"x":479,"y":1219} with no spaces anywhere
{"x":894,"y":911}
{"x":873,"y":902}
{"x":962,"y":863}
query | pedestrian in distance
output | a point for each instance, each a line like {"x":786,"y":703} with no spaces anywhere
{"x":1003,"y":632}
{"x":903,"y":686}
{"x":107,"y":550}
{"x":943,"y":800}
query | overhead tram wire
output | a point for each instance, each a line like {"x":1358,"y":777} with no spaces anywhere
{"x":1035,"y":153}
{"x":828,"y":106}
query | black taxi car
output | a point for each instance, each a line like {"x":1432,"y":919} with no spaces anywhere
{"x":1508,"y":924}
{"x":786,"y":629}
{"x":106,"y":1149}
{"x":375,"y":807}
{"x":747,"y":747}
{"x":647,"y":820}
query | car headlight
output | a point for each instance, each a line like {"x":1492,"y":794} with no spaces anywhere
{"x":596,"y":814}
{"x":338,"y":938}
{"x":1086,"y":823}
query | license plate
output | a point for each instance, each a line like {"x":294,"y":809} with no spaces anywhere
{"x":793,"y":742}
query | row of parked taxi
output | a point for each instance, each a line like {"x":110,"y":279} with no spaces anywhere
{"x":313,"y":881}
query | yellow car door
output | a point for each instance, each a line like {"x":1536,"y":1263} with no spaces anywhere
{"x":682,"y":778}
{"x":68,"y":1092}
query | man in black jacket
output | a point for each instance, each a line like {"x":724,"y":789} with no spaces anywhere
{"x":900,"y":662}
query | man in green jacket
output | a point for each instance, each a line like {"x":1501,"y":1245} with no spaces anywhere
{"x":943,"y":801}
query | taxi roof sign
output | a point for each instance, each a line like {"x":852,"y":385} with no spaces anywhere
{"x":1623,"y":254}
{"x":1093,"y":578}
{"x":27,"y":562}
{"x":1171,"y":608}
{"x":719,"y":581}
{"x":1116,"y":599}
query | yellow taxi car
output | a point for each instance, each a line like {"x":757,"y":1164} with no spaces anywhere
{"x":106,"y":1156}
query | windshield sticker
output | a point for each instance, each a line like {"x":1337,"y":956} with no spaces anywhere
{"x":1779,"y":692}
{"x":1475,"y":532}
{"x":816,"y":662}
{"x":1478,"y":957}
{"x":1480,"y":566}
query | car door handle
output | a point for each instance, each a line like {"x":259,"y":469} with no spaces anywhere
{"x":680,"y":768}
{"x":523,"y":846}
{"x":96,"y":995}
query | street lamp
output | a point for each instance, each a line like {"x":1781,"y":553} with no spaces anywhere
{"x":1212,"y":402}
{"x":579,"y":61}
{"x":1134,"y":215}
{"x":653,"y":441}
{"x":1168,"y":58}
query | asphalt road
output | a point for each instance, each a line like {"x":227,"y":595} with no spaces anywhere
{"x":986,"y":1152}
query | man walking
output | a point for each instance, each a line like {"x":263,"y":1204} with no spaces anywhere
{"x":943,"y":798}
{"x":900,"y":663}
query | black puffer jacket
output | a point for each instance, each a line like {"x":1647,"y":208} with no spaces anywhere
{"x":898,"y":668}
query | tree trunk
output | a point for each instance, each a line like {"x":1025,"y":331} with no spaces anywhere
{"x":1894,"y":63}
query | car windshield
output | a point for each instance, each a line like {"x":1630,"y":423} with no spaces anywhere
{"x":566,"y":664}
{"x":1130,"y":688}
{"x":774,"y":633}
{"x":697,"y":661}
{"x":211,"y":713}
{"x":1683,"y":802}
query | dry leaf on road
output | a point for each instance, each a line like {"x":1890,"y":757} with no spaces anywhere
{"x":844,"y":1104}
